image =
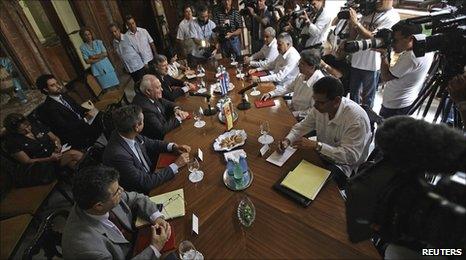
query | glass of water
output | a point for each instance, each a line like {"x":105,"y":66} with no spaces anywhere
{"x":196,"y":175}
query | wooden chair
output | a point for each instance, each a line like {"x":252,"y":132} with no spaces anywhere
{"x":116,"y":95}
{"x":11,"y":232}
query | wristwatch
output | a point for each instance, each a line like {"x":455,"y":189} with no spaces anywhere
{"x":319,"y":146}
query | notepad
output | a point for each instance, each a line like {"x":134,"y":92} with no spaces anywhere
{"x":266,"y":103}
{"x":173,"y":205}
{"x":306,"y":179}
{"x":280,"y":159}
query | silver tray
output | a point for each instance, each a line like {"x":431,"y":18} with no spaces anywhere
{"x":227,"y":180}
{"x":221,"y":117}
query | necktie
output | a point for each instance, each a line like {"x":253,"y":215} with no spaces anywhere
{"x":141,"y":157}
{"x":67,"y":105}
{"x":128,"y":234}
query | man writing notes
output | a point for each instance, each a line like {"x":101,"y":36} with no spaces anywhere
{"x":301,"y":87}
{"x":133,"y":154}
{"x":100,"y":223}
{"x":160,"y":115}
{"x":342,"y":126}
{"x":284,"y":69}
{"x":267,"y":53}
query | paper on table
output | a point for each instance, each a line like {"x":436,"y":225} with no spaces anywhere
{"x":280,"y":159}
{"x":173,"y":205}
{"x":306,"y":179}
{"x":65,"y":148}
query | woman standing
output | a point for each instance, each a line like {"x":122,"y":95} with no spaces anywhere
{"x":94,"y":53}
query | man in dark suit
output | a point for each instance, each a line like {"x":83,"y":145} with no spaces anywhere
{"x":132,"y":154}
{"x":67,"y":120}
{"x":172,"y":88}
{"x":160,"y":115}
{"x":100,"y":224}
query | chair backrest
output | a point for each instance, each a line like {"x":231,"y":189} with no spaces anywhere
{"x":93,"y":84}
{"x":92,"y":157}
{"x":47,"y":237}
{"x":79,"y":91}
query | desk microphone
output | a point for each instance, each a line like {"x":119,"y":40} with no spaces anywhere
{"x":241,"y":92}
{"x":210,"y":111}
{"x":206,"y":95}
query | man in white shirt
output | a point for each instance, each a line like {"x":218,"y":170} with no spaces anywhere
{"x":342,"y":126}
{"x":316,"y":27}
{"x":202,"y":35}
{"x":365,"y":65}
{"x":267,"y":53}
{"x":128,"y":54}
{"x":183,"y":35}
{"x":406,"y":77}
{"x":284,"y":69}
{"x":100,"y":224}
{"x":301,"y":87}
{"x":141,"y":40}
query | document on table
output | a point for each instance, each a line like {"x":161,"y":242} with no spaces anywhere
{"x":306,"y":179}
{"x":280,"y":159}
{"x":173,"y":205}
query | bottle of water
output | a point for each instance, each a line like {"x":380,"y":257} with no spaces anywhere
{"x":19,"y":93}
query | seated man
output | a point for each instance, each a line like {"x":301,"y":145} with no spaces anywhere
{"x":100,"y":224}
{"x":284,"y":69}
{"x":72,"y":123}
{"x":405,"y":79}
{"x":160,"y":115}
{"x":172,"y":88}
{"x":301,"y":87}
{"x":267,"y":53}
{"x":342,"y":126}
{"x":133,"y":155}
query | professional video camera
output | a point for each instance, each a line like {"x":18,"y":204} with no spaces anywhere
{"x":253,"y":4}
{"x":365,"y":7}
{"x":382,"y":39}
{"x":221,"y":31}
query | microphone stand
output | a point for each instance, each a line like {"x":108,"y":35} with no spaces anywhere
{"x":210,"y":111}
{"x":245,"y":104}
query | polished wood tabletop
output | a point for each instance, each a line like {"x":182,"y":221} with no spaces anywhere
{"x":282,"y":228}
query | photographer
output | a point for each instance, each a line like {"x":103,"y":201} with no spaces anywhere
{"x":201,"y":33}
{"x":229,"y":23}
{"x":261,"y":19}
{"x":288,"y":22}
{"x":316,"y":25}
{"x":391,"y":198}
{"x":406,"y":77}
{"x":365,"y":65}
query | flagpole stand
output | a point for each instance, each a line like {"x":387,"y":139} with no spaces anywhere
{"x":244,"y":105}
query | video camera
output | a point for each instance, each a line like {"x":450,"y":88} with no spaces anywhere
{"x":253,"y":4}
{"x":365,"y":7}
{"x":382,"y":39}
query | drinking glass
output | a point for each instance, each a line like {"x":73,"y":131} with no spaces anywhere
{"x":239,"y":71}
{"x":233,"y":59}
{"x":196,"y":175}
{"x":187,"y":251}
{"x":264,"y":130}
{"x":197,"y":114}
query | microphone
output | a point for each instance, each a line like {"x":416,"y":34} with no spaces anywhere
{"x":209,"y":111}
{"x":241,"y":92}
{"x":206,"y":95}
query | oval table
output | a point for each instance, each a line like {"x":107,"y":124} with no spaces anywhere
{"x":282,"y":228}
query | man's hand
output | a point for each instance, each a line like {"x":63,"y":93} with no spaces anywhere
{"x":305,"y":144}
{"x":158,"y":241}
{"x":266,"y":96}
{"x":55,"y":157}
{"x":252,"y":71}
{"x":353,"y":17}
{"x":251,"y":11}
{"x":255,"y":79}
{"x":457,"y":88}
{"x":228,"y":35}
{"x":181,"y":148}
{"x":282,"y":145}
{"x":182,"y":160}
{"x":190,"y":86}
{"x":305,"y":18}
{"x":246,"y":60}
{"x":181,"y":114}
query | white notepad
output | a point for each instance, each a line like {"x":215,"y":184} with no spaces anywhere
{"x":280,"y":159}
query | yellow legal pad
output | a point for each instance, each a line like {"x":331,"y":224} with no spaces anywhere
{"x":306,"y":179}
{"x":173,"y":205}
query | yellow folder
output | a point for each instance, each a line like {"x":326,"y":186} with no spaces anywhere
{"x":173,"y":205}
{"x":306,"y":179}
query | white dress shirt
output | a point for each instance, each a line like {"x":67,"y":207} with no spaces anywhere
{"x":345,"y":138}
{"x":128,"y":53}
{"x":318,"y":31}
{"x":302,"y":93}
{"x":103,"y":219}
{"x":132,"y":145}
{"x":203,"y":32}
{"x":142,"y":40}
{"x":173,"y":69}
{"x":265,"y":55}
{"x":284,"y":69}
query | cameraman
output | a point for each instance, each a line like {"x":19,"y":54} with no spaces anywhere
{"x":406,"y":77}
{"x":201,"y":33}
{"x":365,"y":65}
{"x":288,"y":23}
{"x":228,"y":18}
{"x":261,"y":19}
{"x":316,"y":25}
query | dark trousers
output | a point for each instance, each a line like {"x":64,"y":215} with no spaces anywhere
{"x":367,"y":80}
{"x":389,"y":112}
{"x":138,"y":74}
{"x":231,"y":46}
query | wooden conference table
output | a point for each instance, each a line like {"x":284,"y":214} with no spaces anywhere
{"x":282,"y":228}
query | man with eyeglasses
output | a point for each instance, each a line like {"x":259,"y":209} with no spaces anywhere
{"x":342,"y":126}
{"x":100,"y":224}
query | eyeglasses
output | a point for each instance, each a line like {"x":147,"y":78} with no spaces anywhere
{"x":163,"y":206}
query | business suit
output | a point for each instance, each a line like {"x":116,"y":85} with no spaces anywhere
{"x":172,"y":88}
{"x":133,"y":175}
{"x":87,"y":238}
{"x":66,"y":124}
{"x":159,"y":116}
